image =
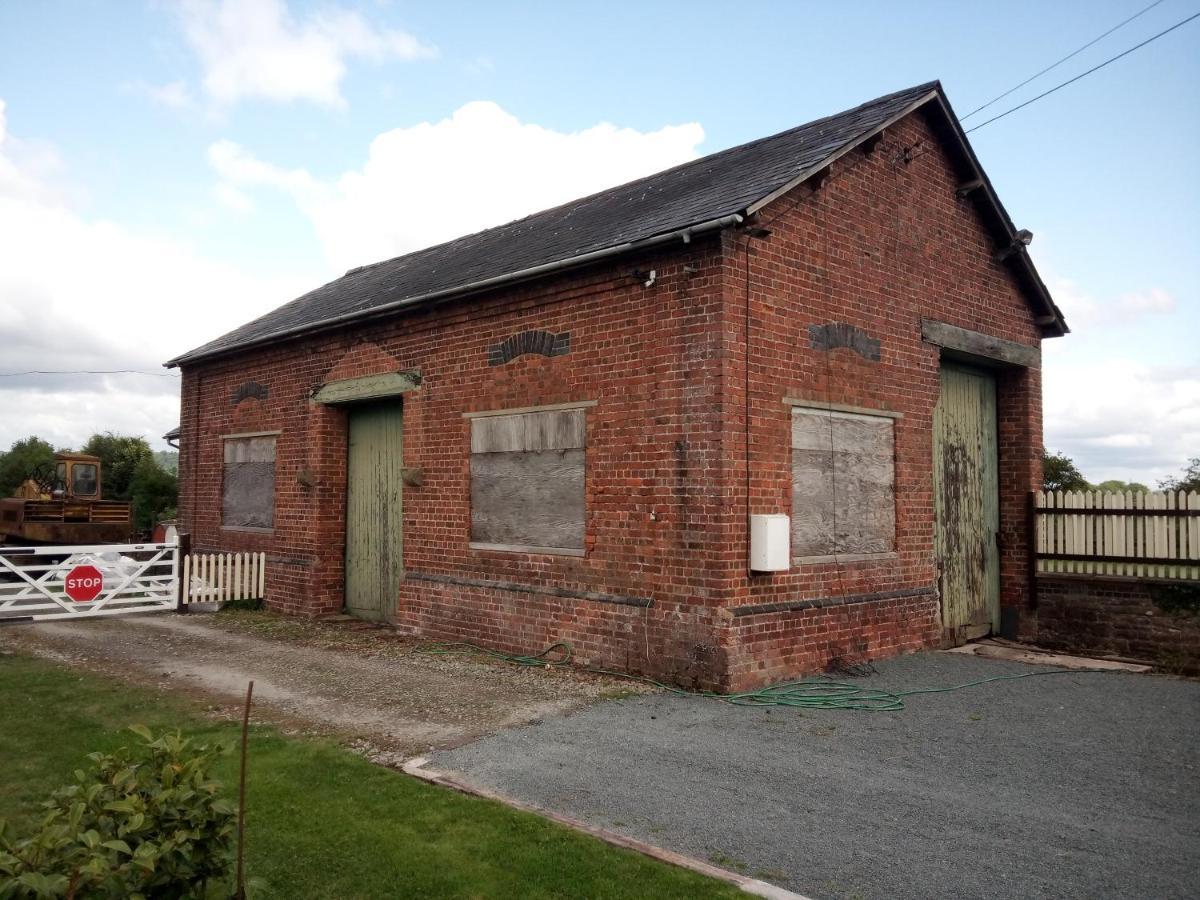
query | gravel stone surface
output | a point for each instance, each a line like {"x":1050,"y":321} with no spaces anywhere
{"x":387,"y":696}
{"x":1076,"y":785}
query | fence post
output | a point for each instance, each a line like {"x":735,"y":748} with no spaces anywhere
{"x":183,"y":550}
{"x":1031,"y":547}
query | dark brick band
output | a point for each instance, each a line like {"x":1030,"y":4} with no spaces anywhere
{"x":545,"y":590}
{"x":825,"y":602}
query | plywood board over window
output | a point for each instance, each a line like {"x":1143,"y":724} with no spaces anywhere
{"x":248,"y":484}
{"x":843,"y":484}
{"x":527,"y":481}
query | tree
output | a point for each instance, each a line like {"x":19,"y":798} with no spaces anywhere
{"x":1188,"y":481}
{"x":168,"y":459}
{"x":1059,"y":473}
{"x":155,"y":494}
{"x":19,"y":462}
{"x":1116,"y":486}
{"x":119,"y":459}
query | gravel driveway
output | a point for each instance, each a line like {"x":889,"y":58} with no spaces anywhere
{"x":1072,"y":785}
{"x":390,"y":696}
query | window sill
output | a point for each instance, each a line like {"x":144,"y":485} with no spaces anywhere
{"x":522,"y":548}
{"x":246,"y":529}
{"x":844,"y":558}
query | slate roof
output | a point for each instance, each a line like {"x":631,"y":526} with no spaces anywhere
{"x":703,"y":191}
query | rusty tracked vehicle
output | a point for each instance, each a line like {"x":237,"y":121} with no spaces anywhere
{"x":64,"y":506}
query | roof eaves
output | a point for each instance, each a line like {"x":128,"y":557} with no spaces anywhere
{"x":1056,"y":326}
{"x":685,"y":233}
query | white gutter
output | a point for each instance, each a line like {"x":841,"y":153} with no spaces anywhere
{"x":684,"y":234}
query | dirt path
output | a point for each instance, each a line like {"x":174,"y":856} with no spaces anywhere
{"x":389,"y":696}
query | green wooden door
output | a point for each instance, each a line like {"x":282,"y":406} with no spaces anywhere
{"x":967,"y":502}
{"x":374,"y":528}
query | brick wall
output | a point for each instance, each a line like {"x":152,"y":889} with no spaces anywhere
{"x":641,"y":598}
{"x":686,"y":439}
{"x":1117,"y":616}
{"x":882,"y":243}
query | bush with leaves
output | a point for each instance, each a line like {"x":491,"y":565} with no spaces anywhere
{"x":1059,"y":473}
{"x":154,"y":492}
{"x":1188,"y":481}
{"x":119,"y":457}
{"x":20,"y":461}
{"x":141,"y":823}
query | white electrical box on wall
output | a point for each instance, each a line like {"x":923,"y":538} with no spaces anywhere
{"x":770,"y":543}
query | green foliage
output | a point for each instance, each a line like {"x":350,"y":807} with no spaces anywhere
{"x":21,"y":459}
{"x":168,"y":459}
{"x":142,"y":823}
{"x":1177,"y":599}
{"x":325,"y":822}
{"x":155,"y":494}
{"x":1060,"y":474}
{"x":1188,"y":481}
{"x":1116,"y":486}
{"x":119,"y":459}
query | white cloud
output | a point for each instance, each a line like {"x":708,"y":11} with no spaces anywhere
{"x":86,"y":294}
{"x":1117,"y":412}
{"x":173,"y":94}
{"x":237,"y":166}
{"x":1121,"y":417}
{"x":1085,"y":311}
{"x":258,"y":49}
{"x":25,"y":166}
{"x":437,"y":180}
{"x":231,"y":198}
{"x":1153,"y":301}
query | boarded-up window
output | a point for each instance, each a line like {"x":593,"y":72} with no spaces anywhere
{"x":248,"y":490}
{"x":527,"y":475}
{"x":843,"y":483}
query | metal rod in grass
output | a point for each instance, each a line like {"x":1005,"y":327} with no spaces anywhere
{"x":240,"y":892}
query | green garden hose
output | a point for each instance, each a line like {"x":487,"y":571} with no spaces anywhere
{"x":804,"y":694}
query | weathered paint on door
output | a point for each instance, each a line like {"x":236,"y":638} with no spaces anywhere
{"x":967,"y":502}
{"x":374,"y":532}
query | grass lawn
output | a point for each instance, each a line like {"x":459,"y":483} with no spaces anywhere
{"x":321,"y":822}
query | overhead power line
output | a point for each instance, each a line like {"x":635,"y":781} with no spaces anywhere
{"x":1085,"y":74}
{"x":1055,"y":65}
{"x":88,"y":372}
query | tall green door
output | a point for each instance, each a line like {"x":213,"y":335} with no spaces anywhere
{"x":374,"y":527}
{"x":967,"y":502}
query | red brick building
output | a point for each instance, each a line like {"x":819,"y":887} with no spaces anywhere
{"x":567,"y":427}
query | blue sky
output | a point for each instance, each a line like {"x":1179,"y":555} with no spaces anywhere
{"x":194,"y":164}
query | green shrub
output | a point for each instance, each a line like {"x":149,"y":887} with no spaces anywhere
{"x":141,"y":823}
{"x":1176,"y":599}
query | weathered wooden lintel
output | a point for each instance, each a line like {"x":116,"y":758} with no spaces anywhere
{"x":370,"y":387}
{"x":841,"y":407}
{"x":983,"y":346}
{"x":521,"y":410}
{"x":526,"y":548}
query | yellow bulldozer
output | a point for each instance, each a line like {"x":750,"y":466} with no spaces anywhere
{"x":63,"y":505}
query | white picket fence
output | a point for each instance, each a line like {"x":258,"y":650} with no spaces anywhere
{"x":126,"y":578}
{"x":1140,"y":535}
{"x":222,"y":577}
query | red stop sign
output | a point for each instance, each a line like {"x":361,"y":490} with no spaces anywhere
{"x":84,"y":584}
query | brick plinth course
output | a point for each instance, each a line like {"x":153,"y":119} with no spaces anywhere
{"x":1117,"y":616}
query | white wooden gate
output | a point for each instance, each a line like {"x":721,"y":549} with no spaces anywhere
{"x":133,"y":578}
